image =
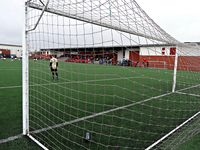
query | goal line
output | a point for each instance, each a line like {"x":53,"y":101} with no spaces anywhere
{"x":11,"y":138}
{"x":195,"y":95}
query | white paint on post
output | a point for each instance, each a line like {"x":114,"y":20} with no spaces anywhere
{"x":175,"y":71}
{"x":25,"y":88}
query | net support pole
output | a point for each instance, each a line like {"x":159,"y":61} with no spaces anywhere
{"x":40,"y":17}
{"x":25,"y":80}
{"x":175,"y":71}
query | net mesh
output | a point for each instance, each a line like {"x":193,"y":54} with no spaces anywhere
{"x":106,"y":95}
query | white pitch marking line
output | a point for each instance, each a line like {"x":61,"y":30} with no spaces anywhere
{"x":85,"y":81}
{"x":97,"y":114}
{"x":12,"y":138}
{"x":105,"y":112}
{"x":76,"y":120}
{"x":188,"y":88}
{"x":195,"y":95}
{"x":11,"y":69}
{"x":171,"y":132}
{"x":178,"y":127}
{"x":92,"y":116}
{"x":37,"y":142}
{"x":11,"y":87}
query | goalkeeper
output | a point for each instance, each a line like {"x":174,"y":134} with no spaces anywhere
{"x":54,"y":67}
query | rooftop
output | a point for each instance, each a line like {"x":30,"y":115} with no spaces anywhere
{"x":10,"y":45}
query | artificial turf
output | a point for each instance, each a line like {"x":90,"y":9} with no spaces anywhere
{"x":85,"y":90}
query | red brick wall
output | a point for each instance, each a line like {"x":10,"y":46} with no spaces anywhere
{"x":190,"y":63}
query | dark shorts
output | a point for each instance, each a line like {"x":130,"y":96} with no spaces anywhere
{"x":53,"y":69}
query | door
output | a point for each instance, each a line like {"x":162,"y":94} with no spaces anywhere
{"x":134,"y":56}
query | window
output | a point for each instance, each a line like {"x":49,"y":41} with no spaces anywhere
{"x":172,"y":50}
{"x":163,"y":51}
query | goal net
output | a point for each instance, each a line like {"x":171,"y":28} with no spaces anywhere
{"x":157,"y":64}
{"x":98,"y":96}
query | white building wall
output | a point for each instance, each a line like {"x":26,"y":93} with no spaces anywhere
{"x":127,"y":53}
{"x":189,"y":51}
{"x":119,"y":55}
{"x":14,"y":49}
{"x":154,"y":51}
{"x":18,"y":52}
{"x":157,"y":51}
{"x":48,"y":52}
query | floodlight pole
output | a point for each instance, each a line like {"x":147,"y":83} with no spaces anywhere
{"x":175,"y":71}
{"x":25,"y":80}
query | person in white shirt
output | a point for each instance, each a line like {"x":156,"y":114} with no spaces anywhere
{"x":54,"y":67}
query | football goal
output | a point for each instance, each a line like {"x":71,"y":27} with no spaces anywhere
{"x":81,"y":89}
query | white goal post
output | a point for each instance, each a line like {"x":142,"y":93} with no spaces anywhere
{"x":25,"y":82}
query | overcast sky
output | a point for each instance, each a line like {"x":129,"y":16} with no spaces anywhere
{"x":180,"y":18}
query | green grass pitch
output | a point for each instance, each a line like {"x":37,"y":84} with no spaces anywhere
{"x":85,"y":90}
